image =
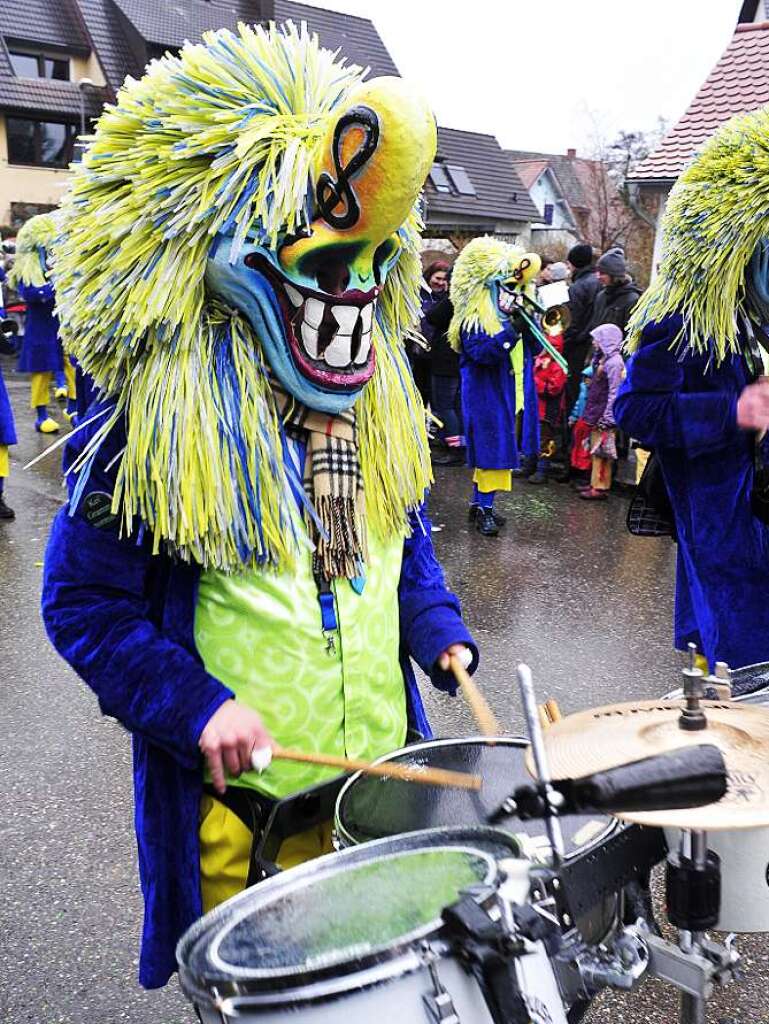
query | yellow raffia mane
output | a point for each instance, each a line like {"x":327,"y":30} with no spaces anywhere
{"x":33,"y":242}
{"x":482,"y":262}
{"x":223,"y":137}
{"x":717,"y":213}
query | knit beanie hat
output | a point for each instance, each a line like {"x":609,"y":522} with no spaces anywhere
{"x":613,"y":263}
{"x":580,"y":255}
{"x":558,"y":271}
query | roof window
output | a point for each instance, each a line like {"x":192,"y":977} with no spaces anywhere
{"x":460,"y":179}
{"x":27,"y":64}
{"x":440,"y":179}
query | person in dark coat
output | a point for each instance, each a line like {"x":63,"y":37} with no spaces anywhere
{"x":446,"y":390}
{"x":433,"y":290}
{"x":618,"y":294}
{"x":576,"y":338}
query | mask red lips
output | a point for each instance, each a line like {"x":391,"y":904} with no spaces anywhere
{"x":329,"y":335}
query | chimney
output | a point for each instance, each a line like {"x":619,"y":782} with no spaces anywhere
{"x":571,"y":154}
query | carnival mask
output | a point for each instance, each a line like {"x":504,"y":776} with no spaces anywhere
{"x":312,"y":297}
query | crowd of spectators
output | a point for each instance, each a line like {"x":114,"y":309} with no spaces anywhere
{"x":578,"y":440}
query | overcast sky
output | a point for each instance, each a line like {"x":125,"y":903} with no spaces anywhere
{"x":539,"y":73}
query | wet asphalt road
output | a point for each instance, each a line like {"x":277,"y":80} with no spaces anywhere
{"x":564,"y":588}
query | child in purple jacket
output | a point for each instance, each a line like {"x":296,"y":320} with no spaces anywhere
{"x":608,"y":371}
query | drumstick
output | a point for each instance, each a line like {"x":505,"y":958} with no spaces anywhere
{"x":553,"y":711}
{"x":427,"y":776}
{"x":482,"y":713}
{"x":544,"y":718}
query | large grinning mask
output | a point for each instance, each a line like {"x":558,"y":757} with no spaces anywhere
{"x":311,"y":296}
{"x":245,"y":220}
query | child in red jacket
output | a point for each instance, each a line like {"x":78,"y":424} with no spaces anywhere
{"x":550,"y":381}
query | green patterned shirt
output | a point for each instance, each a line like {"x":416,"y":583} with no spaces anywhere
{"x":260,"y":634}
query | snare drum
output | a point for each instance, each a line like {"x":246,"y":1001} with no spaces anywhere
{"x":370,"y":807}
{"x":744,"y":853}
{"x":358,"y":936}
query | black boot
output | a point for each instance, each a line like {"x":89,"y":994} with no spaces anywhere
{"x":474,"y":511}
{"x":486,"y":522}
{"x":452,"y":457}
{"x":5,"y":512}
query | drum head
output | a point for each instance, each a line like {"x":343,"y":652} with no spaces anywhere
{"x":338,"y":915}
{"x":370,"y":807}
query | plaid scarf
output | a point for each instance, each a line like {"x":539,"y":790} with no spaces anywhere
{"x":333,"y":483}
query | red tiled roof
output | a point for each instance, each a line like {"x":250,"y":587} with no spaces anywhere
{"x":737,"y":84}
{"x":529,"y":170}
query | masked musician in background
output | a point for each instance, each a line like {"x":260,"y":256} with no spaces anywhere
{"x":697,"y":396}
{"x":244,"y":557}
{"x":42,"y":355}
{"x":489,"y":275}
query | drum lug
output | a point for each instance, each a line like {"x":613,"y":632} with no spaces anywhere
{"x":438,"y":1003}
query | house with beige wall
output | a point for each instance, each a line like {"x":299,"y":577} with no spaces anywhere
{"x":62,"y":60}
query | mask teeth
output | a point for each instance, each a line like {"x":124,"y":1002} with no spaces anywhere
{"x":332,"y":333}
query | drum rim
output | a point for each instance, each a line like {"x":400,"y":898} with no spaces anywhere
{"x":376,"y":954}
{"x":392,"y":961}
{"x":446,"y":741}
{"x":349,"y":841}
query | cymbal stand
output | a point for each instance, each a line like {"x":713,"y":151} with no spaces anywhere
{"x":694,"y":847}
{"x":693,"y":895}
{"x":554,"y":799}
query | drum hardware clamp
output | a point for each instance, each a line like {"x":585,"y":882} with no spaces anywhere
{"x":694,"y":973}
{"x":619,"y":966}
{"x":438,"y":1003}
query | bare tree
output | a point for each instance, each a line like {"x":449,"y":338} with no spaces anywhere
{"x":616,"y":215}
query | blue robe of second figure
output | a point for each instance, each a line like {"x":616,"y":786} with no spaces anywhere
{"x":41,"y":354}
{"x":488,"y":398}
{"x":685,"y":409}
{"x":41,"y":351}
{"x":489,"y":412}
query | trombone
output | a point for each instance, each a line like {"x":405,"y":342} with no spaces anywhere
{"x":556,"y":319}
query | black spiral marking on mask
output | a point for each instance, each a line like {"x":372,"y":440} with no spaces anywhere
{"x":329,"y":193}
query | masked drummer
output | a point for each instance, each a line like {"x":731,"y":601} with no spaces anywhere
{"x":244,"y":558}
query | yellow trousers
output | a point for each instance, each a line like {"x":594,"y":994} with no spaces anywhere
{"x":493,"y":480}
{"x":69,"y":376}
{"x":5,"y":461}
{"x":40,"y":389}
{"x":225,"y":851}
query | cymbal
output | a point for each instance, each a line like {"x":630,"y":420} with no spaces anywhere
{"x":599,"y":738}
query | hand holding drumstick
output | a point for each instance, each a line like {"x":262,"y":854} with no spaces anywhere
{"x":482,"y":713}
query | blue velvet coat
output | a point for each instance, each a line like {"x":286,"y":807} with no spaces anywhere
{"x":124,"y":620}
{"x":488,"y":398}
{"x":686,"y":411}
{"x":7,"y":426}
{"x":41,"y":350}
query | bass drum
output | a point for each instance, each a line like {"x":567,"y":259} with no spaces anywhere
{"x":370,"y":807}
{"x":744,"y":853}
{"x":358,"y":936}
